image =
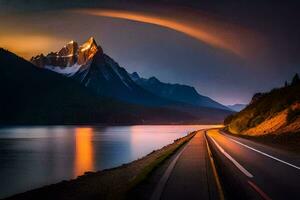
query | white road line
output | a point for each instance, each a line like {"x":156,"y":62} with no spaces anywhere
{"x":164,"y":179}
{"x":265,"y":154}
{"x":240,"y":167}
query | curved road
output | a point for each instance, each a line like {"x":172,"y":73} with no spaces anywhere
{"x":251,"y":170}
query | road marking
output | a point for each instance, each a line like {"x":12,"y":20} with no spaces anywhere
{"x":240,"y":167}
{"x":217,"y":179}
{"x":259,"y":191}
{"x":265,"y":154}
{"x":162,"y":182}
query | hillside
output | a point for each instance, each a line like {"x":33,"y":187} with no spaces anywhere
{"x":33,"y":95}
{"x":275,"y":112}
{"x":176,"y":92}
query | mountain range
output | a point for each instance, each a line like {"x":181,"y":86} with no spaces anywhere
{"x":97,"y":71}
{"x":176,"y":92}
{"x":81,"y":84}
{"x":32,"y":95}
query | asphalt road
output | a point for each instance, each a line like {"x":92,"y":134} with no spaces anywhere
{"x":251,"y":170}
{"x":189,"y":175}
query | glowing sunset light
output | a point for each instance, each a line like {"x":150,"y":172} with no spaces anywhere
{"x":84,"y":155}
{"x":28,"y":45}
{"x":209,"y":32}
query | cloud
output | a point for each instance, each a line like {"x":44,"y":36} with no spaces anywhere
{"x":215,"y":33}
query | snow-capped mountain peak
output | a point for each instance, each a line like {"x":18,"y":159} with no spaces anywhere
{"x":89,"y":44}
{"x":87,"y":51}
{"x":68,"y":50}
{"x":70,"y":59}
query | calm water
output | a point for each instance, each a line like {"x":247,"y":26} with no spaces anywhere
{"x":34,"y":156}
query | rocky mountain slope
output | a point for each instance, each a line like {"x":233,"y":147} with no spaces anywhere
{"x":275,"y":112}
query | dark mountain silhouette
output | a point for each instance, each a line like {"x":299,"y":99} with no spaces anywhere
{"x":176,"y":92}
{"x":32,"y":95}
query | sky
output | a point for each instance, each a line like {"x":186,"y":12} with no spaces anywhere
{"x":227,"y":50}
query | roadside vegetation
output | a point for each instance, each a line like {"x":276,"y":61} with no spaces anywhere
{"x":293,"y":114}
{"x":277,"y":111}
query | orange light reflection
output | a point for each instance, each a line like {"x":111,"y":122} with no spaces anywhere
{"x":84,"y":155}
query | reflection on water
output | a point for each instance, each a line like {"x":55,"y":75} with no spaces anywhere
{"x":145,"y":138}
{"x":84,"y":155}
{"x":34,"y":156}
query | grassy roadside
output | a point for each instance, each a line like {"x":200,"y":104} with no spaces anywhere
{"x":107,"y":184}
{"x":166,"y":154}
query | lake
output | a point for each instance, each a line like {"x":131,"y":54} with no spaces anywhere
{"x":31,"y":157}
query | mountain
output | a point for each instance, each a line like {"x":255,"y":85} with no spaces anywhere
{"x":97,"y":71}
{"x":101,"y":75}
{"x":89,"y":65}
{"x":70,"y":59}
{"x":34,"y":95}
{"x":237,"y":107}
{"x":176,"y":92}
{"x":275,"y":112}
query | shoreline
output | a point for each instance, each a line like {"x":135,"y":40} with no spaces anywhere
{"x":112,"y":183}
{"x":108,"y":124}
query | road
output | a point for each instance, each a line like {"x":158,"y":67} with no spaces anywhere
{"x":251,"y":170}
{"x":189,"y":175}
